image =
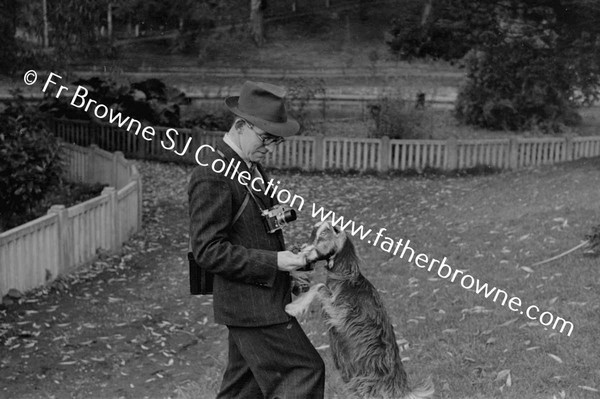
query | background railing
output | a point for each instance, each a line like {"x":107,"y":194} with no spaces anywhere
{"x":324,"y":153}
{"x":38,"y":251}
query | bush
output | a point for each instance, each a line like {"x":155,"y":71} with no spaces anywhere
{"x":215,"y":120}
{"x":396,"y":118}
{"x":148,"y":101}
{"x":300,"y":93}
{"x":515,"y":86}
{"x":452,"y":29}
{"x":30,"y":162}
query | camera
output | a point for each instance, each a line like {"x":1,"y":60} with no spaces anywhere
{"x":277,"y":217}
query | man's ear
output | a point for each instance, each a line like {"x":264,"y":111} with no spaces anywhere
{"x":239,"y":125}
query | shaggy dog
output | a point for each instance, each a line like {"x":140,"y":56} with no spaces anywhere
{"x":361,"y":336}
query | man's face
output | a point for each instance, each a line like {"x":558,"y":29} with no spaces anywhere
{"x":251,"y":142}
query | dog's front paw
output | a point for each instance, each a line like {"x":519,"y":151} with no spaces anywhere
{"x":295,"y":309}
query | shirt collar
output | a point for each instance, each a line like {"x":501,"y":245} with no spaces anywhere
{"x":237,"y":150}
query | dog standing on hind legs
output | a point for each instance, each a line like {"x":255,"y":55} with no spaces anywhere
{"x":361,"y":336}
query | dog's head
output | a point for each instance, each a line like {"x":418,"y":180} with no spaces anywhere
{"x":330,"y":243}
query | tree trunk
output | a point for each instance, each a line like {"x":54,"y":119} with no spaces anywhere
{"x":257,"y":21}
{"x":45,"y":21}
{"x":362,"y":9}
{"x":109,"y":24}
{"x":426,"y":13}
{"x":8,"y":28}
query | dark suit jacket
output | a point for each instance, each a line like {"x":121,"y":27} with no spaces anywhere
{"x":249,"y":290}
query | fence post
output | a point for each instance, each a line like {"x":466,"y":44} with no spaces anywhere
{"x":117,"y":156}
{"x":95,"y":133}
{"x":91,"y":164}
{"x":451,"y":155}
{"x":513,"y":153}
{"x":138,"y":178}
{"x":64,"y":237}
{"x":319,"y":151}
{"x":141,"y":148}
{"x":114,"y":232}
{"x":568,"y":149}
{"x":384,"y":153}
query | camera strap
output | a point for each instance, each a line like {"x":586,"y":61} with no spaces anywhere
{"x":256,"y":201}
{"x":239,"y":212}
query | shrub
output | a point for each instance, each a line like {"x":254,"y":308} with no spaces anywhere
{"x":300,"y":93}
{"x":149,"y":100}
{"x":396,"y":118}
{"x":30,"y":162}
{"x":452,"y":28}
{"x":517,"y":86}
{"x":215,"y":120}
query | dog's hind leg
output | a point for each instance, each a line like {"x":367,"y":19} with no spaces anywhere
{"x":300,"y":305}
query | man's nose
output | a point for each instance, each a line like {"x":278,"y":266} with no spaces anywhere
{"x":270,"y":147}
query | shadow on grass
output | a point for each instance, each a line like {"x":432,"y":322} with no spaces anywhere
{"x":428,"y":172}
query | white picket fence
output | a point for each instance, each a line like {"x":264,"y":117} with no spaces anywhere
{"x":326,"y":153}
{"x":38,"y":251}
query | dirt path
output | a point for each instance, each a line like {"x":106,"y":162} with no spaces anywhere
{"x":122,"y":327}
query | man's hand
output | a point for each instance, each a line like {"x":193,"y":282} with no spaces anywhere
{"x":289,"y":261}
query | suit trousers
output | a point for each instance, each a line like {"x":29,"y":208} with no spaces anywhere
{"x":270,"y":362}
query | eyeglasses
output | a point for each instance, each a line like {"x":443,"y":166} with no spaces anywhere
{"x":266,"y":139}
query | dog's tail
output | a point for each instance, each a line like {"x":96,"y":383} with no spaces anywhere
{"x":424,"y":390}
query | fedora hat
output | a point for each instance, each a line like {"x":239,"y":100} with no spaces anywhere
{"x":262,"y":104}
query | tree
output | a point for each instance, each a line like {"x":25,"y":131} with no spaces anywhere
{"x":532,"y":69}
{"x":257,"y":8}
{"x":529,"y":63}
{"x":76,"y":27}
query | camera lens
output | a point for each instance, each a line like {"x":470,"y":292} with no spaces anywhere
{"x":290,"y":215}
{"x":287,"y":216}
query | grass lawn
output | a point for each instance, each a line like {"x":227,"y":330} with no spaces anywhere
{"x":490,"y":227}
{"x":126,"y":326}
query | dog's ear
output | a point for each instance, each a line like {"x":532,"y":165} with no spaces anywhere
{"x":340,"y":237}
{"x":340,"y":234}
{"x":313,"y":233}
{"x":337,"y":230}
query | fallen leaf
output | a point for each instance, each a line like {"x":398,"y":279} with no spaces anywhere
{"x":509,"y":322}
{"x":502,"y":374}
{"x":558,"y":359}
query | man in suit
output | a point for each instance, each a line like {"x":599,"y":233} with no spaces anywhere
{"x":269,"y":354}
